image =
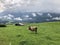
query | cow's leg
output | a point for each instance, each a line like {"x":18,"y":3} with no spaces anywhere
{"x":36,"y":31}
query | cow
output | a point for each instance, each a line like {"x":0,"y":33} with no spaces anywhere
{"x":33,"y":29}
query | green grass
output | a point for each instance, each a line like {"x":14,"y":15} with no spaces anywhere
{"x":48,"y":34}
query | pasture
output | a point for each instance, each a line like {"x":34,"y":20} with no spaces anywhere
{"x":48,"y":34}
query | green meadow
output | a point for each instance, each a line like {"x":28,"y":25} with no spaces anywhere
{"x":48,"y":34}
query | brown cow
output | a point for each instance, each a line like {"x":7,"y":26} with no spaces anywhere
{"x":33,"y":28}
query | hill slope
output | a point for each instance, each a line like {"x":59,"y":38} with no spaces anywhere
{"x":48,"y":34}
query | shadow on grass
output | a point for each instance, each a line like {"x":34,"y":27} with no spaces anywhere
{"x":18,"y":35}
{"x":48,"y":37}
{"x":33,"y":33}
{"x":24,"y":42}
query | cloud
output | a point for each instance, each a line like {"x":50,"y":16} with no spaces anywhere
{"x":7,"y":17}
{"x":40,"y":14}
{"x":56,"y":18}
{"x":30,"y":5}
{"x":0,"y":17}
{"x":18,"y":18}
{"x":26,"y":16}
{"x":2,"y":8}
{"x":47,"y":19}
{"x":30,"y":18}
{"x":49,"y":15}
{"x":34,"y":15}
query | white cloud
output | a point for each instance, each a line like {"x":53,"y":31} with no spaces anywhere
{"x":34,"y":15}
{"x":40,"y":14}
{"x":0,"y":17}
{"x":9,"y":18}
{"x":47,"y":19}
{"x":18,"y":18}
{"x":2,"y":8}
{"x":6,"y":17}
{"x":30,"y":18}
{"x":49,"y":15}
{"x":26,"y":16}
{"x":30,"y":5}
{"x":56,"y":18}
{"x":9,"y":15}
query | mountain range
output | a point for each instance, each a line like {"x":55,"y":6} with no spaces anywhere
{"x":29,"y":17}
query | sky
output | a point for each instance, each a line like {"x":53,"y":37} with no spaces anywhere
{"x":30,"y":5}
{"x":10,"y":8}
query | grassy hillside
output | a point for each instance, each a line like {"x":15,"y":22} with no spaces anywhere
{"x":48,"y":34}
